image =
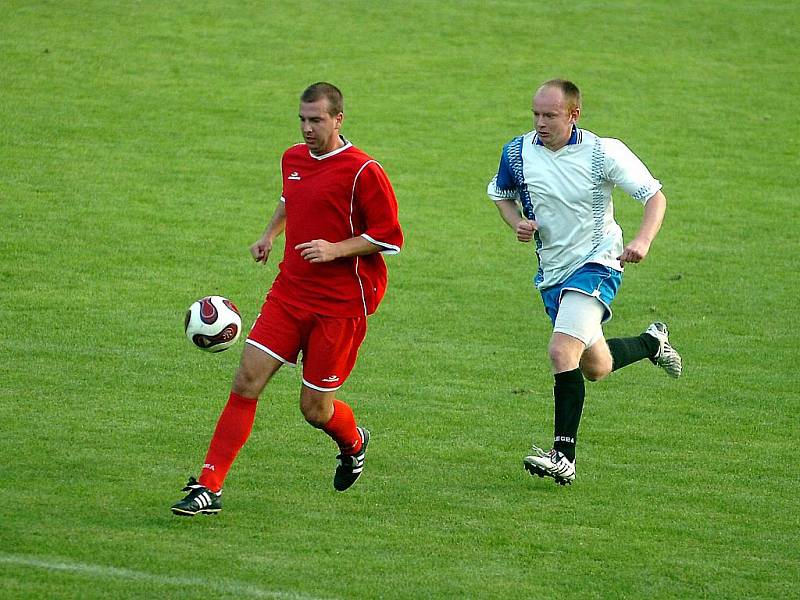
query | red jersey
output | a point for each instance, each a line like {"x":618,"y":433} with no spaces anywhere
{"x":335,"y":197}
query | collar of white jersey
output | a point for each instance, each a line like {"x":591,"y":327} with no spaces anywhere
{"x":575,"y":138}
{"x":347,"y":145}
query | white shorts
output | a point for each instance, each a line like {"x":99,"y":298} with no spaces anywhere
{"x":580,"y":316}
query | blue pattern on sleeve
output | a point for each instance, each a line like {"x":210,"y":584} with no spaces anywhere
{"x":512,"y":152}
{"x":504,"y":181}
{"x":510,"y":183}
{"x":512,"y":155}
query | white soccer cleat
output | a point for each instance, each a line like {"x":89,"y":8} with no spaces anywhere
{"x":550,"y":464}
{"x":667,"y":357}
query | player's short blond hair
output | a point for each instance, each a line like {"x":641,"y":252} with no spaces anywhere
{"x":572,"y":95}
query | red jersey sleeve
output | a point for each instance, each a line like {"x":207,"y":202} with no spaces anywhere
{"x":376,"y":209}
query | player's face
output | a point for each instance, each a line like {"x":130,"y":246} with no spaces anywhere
{"x":320,"y":130}
{"x":551,"y":118}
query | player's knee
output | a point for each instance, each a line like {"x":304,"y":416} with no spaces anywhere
{"x":314,"y":416}
{"x":314,"y":420}
{"x":595,"y":372}
{"x":562,"y":359}
{"x":596,"y":368}
{"x":247,"y":383}
{"x":315,"y":412}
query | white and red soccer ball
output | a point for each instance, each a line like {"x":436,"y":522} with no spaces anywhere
{"x":213,"y":324}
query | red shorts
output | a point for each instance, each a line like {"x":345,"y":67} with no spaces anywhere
{"x":329,"y":344}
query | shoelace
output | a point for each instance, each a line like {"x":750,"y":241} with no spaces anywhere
{"x":538,"y":451}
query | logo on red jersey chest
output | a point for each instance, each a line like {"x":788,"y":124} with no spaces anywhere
{"x":294,"y":176}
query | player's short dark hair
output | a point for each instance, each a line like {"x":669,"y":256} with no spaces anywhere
{"x":322,"y":89}
{"x":572,"y":95}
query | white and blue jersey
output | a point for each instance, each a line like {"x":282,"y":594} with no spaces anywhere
{"x":568,"y":194}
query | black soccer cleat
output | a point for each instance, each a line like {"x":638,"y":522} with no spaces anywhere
{"x":199,"y":500}
{"x":351,"y":465}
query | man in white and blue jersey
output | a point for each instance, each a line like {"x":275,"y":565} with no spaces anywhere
{"x":553,"y":187}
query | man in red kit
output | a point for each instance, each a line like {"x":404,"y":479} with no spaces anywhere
{"x":339,"y":214}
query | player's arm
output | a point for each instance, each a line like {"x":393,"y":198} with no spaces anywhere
{"x":261,"y":249}
{"x":638,"y":248}
{"x":502,"y":190}
{"x":626,"y":170}
{"x":320,"y":251}
{"x":509,"y":211}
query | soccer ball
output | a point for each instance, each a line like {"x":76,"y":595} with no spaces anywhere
{"x":213,"y":324}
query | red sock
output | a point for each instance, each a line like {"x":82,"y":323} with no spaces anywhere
{"x":342,"y":428}
{"x":233,"y":428}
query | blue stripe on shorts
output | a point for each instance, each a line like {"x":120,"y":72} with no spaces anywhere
{"x":592,"y":279}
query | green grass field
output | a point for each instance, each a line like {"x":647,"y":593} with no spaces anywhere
{"x":139,"y":158}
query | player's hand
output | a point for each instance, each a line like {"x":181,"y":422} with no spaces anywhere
{"x":260,"y":251}
{"x":525,"y":229}
{"x":317,"y":251}
{"x":634,"y":252}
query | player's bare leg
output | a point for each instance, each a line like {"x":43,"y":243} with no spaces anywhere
{"x":316,"y":406}
{"x":565,"y":352}
{"x":256,"y":368}
{"x":596,"y":362}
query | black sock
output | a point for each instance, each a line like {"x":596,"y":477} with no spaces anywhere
{"x":569,"y":391}
{"x":625,"y":351}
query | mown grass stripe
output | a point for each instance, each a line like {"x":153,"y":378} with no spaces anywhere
{"x":105,"y":572}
